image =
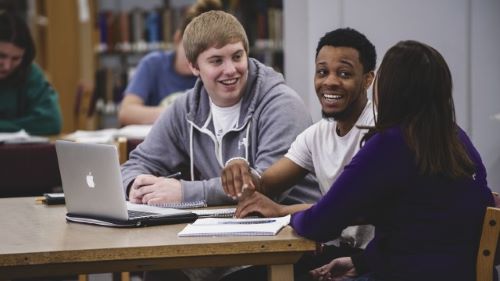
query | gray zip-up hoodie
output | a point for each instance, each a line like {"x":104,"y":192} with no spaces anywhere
{"x":182,"y":139}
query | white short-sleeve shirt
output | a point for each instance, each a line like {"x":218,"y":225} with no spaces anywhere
{"x":324,"y":153}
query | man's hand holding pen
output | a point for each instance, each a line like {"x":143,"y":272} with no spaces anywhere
{"x":152,"y":189}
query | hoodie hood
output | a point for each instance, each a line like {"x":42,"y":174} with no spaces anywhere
{"x":261,"y":80}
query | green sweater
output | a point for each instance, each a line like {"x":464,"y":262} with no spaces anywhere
{"x":33,"y":107}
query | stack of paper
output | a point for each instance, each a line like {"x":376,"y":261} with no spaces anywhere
{"x":134,"y":131}
{"x":235,"y":227}
{"x":98,"y":136}
{"x":109,"y":135}
{"x":21,"y":137}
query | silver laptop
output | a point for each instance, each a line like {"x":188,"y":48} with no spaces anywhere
{"x":92,"y":185}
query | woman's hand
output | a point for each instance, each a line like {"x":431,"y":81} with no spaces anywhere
{"x":337,"y":270}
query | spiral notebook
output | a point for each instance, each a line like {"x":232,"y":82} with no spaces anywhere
{"x":235,"y":227}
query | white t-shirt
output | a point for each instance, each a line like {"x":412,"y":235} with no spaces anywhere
{"x":324,"y":153}
{"x":224,"y":118}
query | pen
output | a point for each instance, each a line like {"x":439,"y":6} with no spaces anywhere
{"x":176,"y":175}
{"x":247,"y":222}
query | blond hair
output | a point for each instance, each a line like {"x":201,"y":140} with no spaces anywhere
{"x":212,"y":29}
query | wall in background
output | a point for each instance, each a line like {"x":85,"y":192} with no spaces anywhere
{"x":464,"y":31}
{"x":485,"y":85}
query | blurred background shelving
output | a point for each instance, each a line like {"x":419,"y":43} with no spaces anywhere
{"x":89,"y":48}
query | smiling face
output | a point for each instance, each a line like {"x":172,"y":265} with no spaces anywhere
{"x":10,"y":59}
{"x":224,"y":73}
{"x":340,"y":82}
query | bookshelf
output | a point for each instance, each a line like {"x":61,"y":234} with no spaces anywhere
{"x":63,"y":39}
{"x":263,"y":23}
{"x":90,"y":48}
{"x":129,"y":29}
{"x":135,"y":28}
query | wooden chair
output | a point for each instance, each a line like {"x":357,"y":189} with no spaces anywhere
{"x":488,"y":244}
{"x":122,"y":144}
{"x":42,"y":177}
{"x":125,"y":146}
{"x":84,"y":108}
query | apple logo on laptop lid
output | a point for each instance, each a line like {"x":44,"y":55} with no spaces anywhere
{"x":90,"y":180}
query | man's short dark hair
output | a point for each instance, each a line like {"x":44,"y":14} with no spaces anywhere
{"x":348,"y":37}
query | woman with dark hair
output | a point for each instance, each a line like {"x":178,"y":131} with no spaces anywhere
{"x":27,"y":101}
{"x":418,"y":179}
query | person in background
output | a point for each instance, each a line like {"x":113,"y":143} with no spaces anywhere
{"x":418,"y":179}
{"x":27,"y":100}
{"x":161,"y":76}
{"x":238,"y":108}
{"x":345,"y":64}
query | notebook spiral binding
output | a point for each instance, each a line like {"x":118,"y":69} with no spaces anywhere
{"x":183,"y":205}
{"x":215,"y":213}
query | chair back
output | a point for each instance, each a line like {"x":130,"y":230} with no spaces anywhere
{"x":122,"y":144}
{"x":28,"y":169}
{"x":125,"y":146}
{"x":485,"y":263}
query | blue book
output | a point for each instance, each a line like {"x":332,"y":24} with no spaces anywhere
{"x":153,"y":28}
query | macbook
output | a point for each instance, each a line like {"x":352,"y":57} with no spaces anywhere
{"x":92,"y":185}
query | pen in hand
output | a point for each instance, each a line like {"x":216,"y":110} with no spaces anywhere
{"x":176,"y":175}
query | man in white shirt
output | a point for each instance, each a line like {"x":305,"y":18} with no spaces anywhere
{"x":345,"y":63}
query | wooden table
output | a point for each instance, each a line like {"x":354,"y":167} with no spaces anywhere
{"x":35,"y":240}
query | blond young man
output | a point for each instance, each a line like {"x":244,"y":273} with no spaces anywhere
{"x":238,"y":108}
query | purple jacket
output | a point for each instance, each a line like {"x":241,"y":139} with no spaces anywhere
{"x":426,"y":227}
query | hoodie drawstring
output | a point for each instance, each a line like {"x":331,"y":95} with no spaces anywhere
{"x":243,"y":142}
{"x":191,"y":160}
